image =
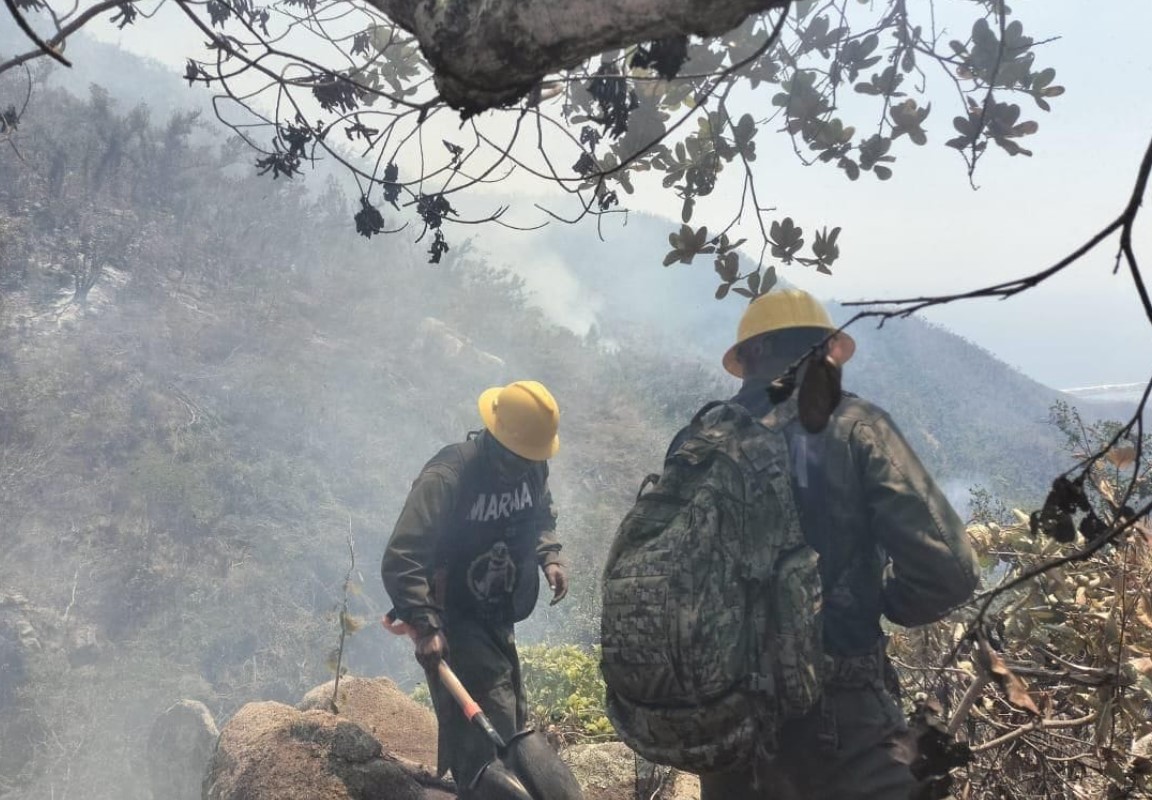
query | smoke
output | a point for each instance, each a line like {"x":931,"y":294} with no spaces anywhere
{"x":959,"y":492}
{"x":551,"y":285}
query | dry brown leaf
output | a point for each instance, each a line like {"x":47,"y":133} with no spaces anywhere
{"x":1142,"y":665}
{"x":1121,"y":457}
{"x":1144,"y":530}
{"x":1011,"y":684}
{"x":1140,"y":647}
{"x":1144,"y":610}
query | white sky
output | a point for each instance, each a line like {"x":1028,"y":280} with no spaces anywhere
{"x":926,"y":231}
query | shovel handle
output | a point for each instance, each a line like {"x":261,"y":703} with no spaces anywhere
{"x":469,"y":706}
{"x":450,"y":682}
{"x":448,"y":679}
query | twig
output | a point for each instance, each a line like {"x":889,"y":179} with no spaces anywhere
{"x":1036,"y":725}
{"x":64,"y":33}
{"x":43,"y":46}
{"x":965,"y":705}
{"x":983,"y":120}
{"x":344,"y":613}
{"x":1124,"y":223}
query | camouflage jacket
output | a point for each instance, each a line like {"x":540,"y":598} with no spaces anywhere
{"x":468,"y":543}
{"x":889,"y":541}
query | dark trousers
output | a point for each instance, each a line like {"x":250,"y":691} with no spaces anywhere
{"x":863,"y":760}
{"x":484,"y":657}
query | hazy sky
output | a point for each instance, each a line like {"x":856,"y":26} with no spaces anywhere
{"x":926,"y":231}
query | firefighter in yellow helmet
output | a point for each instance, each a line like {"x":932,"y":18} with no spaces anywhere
{"x":464,"y":561}
{"x":890,"y":545}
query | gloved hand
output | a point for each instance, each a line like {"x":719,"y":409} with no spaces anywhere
{"x":431,"y":650}
{"x":558,"y":581}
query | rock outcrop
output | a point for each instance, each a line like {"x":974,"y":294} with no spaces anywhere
{"x":271,"y":750}
{"x":180,"y":745}
{"x":608,"y":772}
{"x":373,"y":743}
{"x":376,"y":744}
{"x":401,"y":725}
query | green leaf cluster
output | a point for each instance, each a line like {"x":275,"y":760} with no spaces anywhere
{"x":785,"y":238}
{"x":565,"y":691}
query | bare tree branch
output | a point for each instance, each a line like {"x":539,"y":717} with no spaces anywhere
{"x":44,"y":47}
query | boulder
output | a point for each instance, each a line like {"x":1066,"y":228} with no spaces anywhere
{"x":374,"y":743}
{"x":272,"y":751}
{"x":399,"y":723}
{"x":684,"y":787}
{"x":608,"y":772}
{"x":180,"y":745}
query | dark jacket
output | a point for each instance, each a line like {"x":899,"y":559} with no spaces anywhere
{"x":889,"y":541}
{"x":468,"y":541}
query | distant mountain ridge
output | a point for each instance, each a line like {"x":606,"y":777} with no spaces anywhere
{"x":127,"y":77}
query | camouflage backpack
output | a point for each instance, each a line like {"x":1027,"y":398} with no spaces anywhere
{"x":711,"y":634}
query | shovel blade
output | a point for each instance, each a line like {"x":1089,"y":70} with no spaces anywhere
{"x":540,"y":769}
{"x":496,"y":782}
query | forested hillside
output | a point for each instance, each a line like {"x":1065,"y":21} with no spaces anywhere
{"x":208,"y":384}
{"x":210,"y":387}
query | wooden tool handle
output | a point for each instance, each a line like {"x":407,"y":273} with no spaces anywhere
{"x":448,"y":678}
{"x":469,"y":706}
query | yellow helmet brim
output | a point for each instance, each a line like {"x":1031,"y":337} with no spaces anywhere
{"x":781,"y":310}
{"x":840,"y":349}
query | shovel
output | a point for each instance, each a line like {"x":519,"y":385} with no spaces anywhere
{"x":525,"y":768}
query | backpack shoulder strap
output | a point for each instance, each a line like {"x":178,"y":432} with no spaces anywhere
{"x":698,"y":418}
{"x":782,"y":414}
{"x":686,"y":432}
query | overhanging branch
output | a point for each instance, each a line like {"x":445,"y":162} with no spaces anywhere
{"x":490,"y":53}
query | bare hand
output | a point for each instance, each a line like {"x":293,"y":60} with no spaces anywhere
{"x":558,"y":581}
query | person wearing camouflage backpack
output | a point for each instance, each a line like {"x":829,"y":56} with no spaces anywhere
{"x":889,"y":544}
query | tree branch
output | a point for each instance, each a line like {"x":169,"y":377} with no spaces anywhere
{"x":1036,"y":725}
{"x":43,"y":47}
{"x":489,"y":53}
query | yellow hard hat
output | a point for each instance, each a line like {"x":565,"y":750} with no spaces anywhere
{"x":777,"y":311}
{"x":524,"y":417}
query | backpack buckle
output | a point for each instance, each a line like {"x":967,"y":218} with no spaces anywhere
{"x":758,"y":682}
